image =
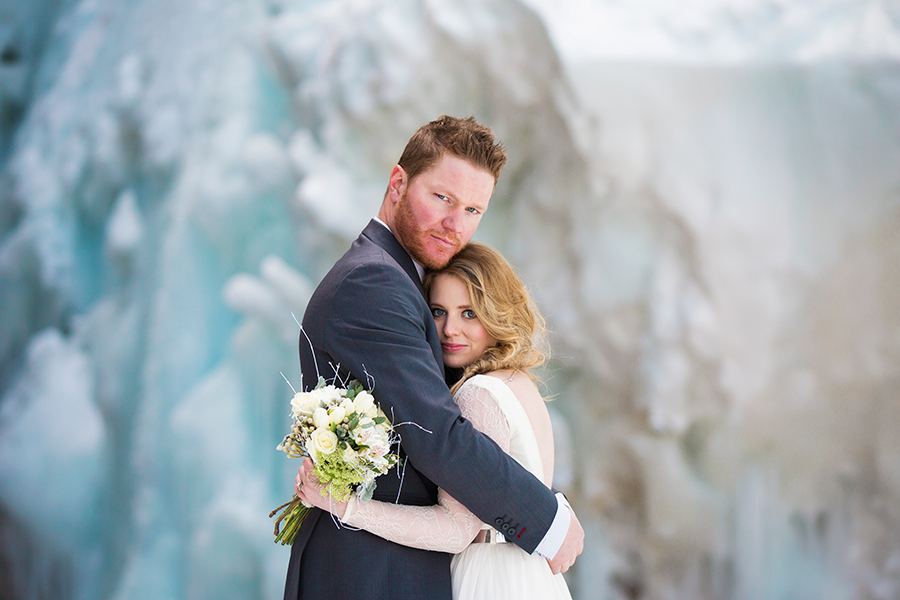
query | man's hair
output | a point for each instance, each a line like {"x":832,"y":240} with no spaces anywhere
{"x":463,"y":138}
{"x":503,"y":306}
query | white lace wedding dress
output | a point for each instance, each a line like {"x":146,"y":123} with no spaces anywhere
{"x":480,"y":571}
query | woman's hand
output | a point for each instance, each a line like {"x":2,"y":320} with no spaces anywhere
{"x":309,"y":490}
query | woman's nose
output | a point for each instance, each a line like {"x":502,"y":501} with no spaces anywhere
{"x":451,"y":326}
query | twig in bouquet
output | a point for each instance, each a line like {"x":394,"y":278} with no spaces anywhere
{"x":334,"y":519}
{"x":337,"y":375}
{"x":402,"y":477}
{"x":288,"y":382}
{"x":416,"y":424}
{"x":399,"y":440}
{"x":407,"y":423}
{"x":370,"y":383}
{"x":308,"y":341}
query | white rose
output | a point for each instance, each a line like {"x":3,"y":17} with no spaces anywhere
{"x":336,"y":414}
{"x":364,"y":402}
{"x":320,"y":418}
{"x":317,"y":396}
{"x":324,"y":441}
{"x":302,"y":404}
{"x":326,"y":395}
{"x":335,"y":395}
{"x":347,"y":405}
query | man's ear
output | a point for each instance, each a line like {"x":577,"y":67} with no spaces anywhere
{"x":397,"y":183}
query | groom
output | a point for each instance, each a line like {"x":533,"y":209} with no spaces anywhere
{"x":369,"y":318}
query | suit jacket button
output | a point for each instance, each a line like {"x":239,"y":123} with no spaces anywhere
{"x":512,"y":531}
{"x":498,"y":521}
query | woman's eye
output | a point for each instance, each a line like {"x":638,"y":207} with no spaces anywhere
{"x":470,"y":314}
{"x":438,"y":312}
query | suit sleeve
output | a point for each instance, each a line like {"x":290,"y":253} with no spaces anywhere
{"x":376,"y":331}
{"x":447,"y":526}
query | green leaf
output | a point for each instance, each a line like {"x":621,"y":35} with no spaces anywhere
{"x":365,"y":491}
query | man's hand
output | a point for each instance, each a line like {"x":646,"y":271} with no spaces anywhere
{"x":572,"y":546}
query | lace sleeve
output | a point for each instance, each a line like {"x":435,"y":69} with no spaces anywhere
{"x":478,"y":404}
{"x":447,"y":526}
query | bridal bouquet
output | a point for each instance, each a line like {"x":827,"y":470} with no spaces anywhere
{"x":349,"y":440}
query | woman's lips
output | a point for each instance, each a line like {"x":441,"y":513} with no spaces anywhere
{"x":452,"y":347}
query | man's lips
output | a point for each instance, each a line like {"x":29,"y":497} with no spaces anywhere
{"x":448,"y":242}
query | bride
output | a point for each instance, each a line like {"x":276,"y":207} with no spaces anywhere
{"x":489,"y":329}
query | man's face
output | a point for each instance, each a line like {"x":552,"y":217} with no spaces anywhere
{"x":439,"y":211}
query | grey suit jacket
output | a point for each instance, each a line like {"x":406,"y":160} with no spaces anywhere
{"x":368,"y":319}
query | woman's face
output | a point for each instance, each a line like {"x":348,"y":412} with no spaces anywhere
{"x":463,"y":338}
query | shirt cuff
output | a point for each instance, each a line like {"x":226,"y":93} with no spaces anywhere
{"x":555,"y":536}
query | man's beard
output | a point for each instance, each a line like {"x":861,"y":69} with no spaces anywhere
{"x":411,"y":237}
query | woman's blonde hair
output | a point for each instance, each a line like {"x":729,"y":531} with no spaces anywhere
{"x":503,"y":306}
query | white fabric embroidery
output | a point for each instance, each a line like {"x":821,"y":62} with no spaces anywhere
{"x":447,"y":526}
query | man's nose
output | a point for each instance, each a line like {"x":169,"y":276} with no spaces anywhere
{"x":452,"y":221}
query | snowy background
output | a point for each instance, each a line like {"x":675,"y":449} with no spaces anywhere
{"x":704,"y":195}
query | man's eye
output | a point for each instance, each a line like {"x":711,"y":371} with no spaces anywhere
{"x":473,"y":210}
{"x":442,"y":197}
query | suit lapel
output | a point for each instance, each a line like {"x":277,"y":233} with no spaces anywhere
{"x":383,"y":238}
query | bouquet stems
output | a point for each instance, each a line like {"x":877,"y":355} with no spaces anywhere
{"x":293,"y":515}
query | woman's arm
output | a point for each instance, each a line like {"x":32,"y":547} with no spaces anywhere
{"x":444,"y":527}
